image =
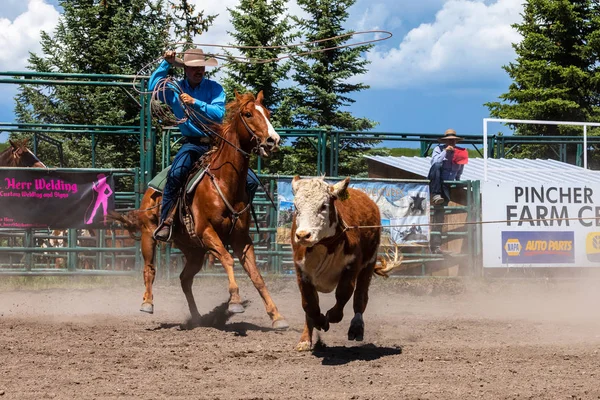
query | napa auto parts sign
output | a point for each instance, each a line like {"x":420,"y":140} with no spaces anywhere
{"x":542,"y":225}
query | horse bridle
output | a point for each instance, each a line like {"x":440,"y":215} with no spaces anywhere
{"x":251,"y":132}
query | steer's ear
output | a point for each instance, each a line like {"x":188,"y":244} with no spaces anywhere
{"x":295,"y":184}
{"x":339,"y":189}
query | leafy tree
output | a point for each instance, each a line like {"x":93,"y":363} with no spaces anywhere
{"x":556,"y":73}
{"x":99,"y":37}
{"x":322,"y":81}
{"x":188,"y":23}
{"x":262,"y":24}
{"x":102,"y":37}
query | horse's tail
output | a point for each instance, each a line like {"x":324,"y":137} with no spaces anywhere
{"x":130,"y":221}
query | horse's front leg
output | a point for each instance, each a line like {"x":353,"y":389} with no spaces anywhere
{"x":194,"y":259}
{"x":244,"y":250}
{"x":148,"y":250}
{"x":214,"y":244}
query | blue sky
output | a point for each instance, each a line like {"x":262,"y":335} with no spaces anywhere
{"x":443,"y":62}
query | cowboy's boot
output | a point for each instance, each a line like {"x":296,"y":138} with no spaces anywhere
{"x":164,"y":230}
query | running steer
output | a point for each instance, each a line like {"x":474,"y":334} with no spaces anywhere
{"x":328,"y":255}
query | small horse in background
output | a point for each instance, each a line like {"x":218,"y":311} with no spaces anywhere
{"x":220,"y":209}
{"x":18,"y":155}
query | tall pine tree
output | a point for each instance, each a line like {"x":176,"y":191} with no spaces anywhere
{"x":96,"y":37}
{"x":262,"y":24}
{"x":322,"y":87}
{"x":102,"y":37}
{"x":556,"y":73}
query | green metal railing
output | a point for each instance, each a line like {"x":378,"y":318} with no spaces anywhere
{"x":275,"y":257}
{"x":328,"y":146}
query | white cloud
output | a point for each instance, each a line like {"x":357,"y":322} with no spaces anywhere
{"x":22,"y":35}
{"x":469,"y":41}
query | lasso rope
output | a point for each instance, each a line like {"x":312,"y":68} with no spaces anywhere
{"x":499,"y":221}
{"x":241,"y":59}
{"x":227,"y":57}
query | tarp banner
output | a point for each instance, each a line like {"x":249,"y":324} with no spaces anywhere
{"x":55,"y":199}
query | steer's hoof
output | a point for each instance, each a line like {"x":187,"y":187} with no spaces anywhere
{"x":280,"y":325}
{"x":147,"y":308}
{"x":235,"y":308}
{"x":303,"y":346}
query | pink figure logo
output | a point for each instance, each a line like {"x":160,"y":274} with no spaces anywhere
{"x":104,"y":192}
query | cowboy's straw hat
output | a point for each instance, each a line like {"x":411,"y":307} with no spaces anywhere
{"x":449,"y":135}
{"x":195,"y":58}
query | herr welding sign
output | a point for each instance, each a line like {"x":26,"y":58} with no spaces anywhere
{"x":32,"y":198}
{"x":538,"y":247}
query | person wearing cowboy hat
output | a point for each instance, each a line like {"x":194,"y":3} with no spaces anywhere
{"x":204,"y":100}
{"x":447,"y":164}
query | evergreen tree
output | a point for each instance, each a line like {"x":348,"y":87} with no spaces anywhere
{"x":102,"y":37}
{"x":188,"y":23}
{"x":260,"y":23}
{"x":97,"y":37}
{"x":322,"y":87}
{"x":556,"y":73}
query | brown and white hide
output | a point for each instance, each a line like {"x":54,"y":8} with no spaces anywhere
{"x":330,"y":256}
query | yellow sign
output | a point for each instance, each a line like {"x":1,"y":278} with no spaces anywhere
{"x":513,"y":247}
{"x":592,"y":246}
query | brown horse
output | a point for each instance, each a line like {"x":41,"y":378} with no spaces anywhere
{"x":219,"y":209}
{"x":18,"y":155}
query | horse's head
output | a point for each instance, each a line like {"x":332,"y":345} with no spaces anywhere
{"x":254,"y":117}
{"x":23,"y":157}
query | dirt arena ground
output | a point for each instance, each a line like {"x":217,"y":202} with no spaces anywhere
{"x":424,"y":339}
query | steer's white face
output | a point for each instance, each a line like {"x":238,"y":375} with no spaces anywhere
{"x":316,"y":218}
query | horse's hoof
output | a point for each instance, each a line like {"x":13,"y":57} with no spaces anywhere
{"x":357,"y":330}
{"x":236,"y":308}
{"x":147,"y":308}
{"x":280,"y":325}
{"x":303,"y":346}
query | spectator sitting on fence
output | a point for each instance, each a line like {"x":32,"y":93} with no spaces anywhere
{"x":447,"y":164}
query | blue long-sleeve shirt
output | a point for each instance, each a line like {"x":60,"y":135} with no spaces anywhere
{"x":450,"y":170}
{"x":209,"y":96}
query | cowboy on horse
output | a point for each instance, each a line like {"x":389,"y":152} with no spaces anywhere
{"x":192,"y":100}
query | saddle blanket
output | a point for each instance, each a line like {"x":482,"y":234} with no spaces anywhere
{"x":158,"y":182}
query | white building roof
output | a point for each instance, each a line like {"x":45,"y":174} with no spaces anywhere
{"x":501,"y":170}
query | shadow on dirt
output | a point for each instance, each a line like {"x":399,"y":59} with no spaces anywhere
{"x":339,"y":355}
{"x":217,"y":318}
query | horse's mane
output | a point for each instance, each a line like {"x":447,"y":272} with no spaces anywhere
{"x":232,"y":109}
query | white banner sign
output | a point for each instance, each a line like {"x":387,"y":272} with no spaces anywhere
{"x":404,"y":209}
{"x":544,"y":225}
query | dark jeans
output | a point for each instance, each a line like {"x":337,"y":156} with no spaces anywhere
{"x":182,"y":164}
{"x":437,"y":186}
{"x":436,"y":183}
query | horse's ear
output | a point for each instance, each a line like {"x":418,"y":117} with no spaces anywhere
{"x":237,"y":95}
{"x":259,"y":97}
{"x":14,"y":146}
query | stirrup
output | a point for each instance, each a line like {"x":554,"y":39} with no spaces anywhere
{"x":160,"y":229}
